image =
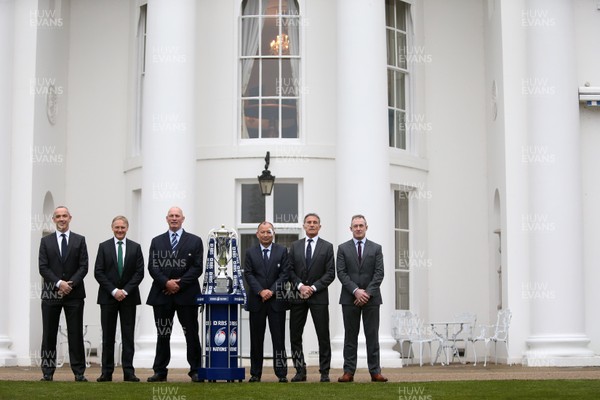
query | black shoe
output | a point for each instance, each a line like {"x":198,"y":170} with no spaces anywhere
{"x":157,"y":378}
{"x":299,"y":377}
{"x":283,"y":379}
{"x":194,"y":377}
{"x":80,"y":378}
{"x":104,"y":378}
{"x":47,"y":378}
{"x":131,"y":378}
{"x":325,"y":378}
{"x":254,"y":378}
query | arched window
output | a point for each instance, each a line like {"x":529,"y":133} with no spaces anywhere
{"x":270,"y":69}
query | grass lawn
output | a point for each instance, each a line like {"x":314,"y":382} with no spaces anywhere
{"x":461,"y":390}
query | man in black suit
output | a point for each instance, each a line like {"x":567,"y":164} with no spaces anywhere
{"x":175,"y":264}
{"x":360,"y":270}
{"x":312,"y":269}
{"x":119,"y":271}
{"x":63,"y":263}
{"x":266,"y":272}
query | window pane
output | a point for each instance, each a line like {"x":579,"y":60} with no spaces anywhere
{"x":253,"y":204}
{"x":402,"y":253}
{"x":252,"y":67}
{"x":288,"y":85}
{"x":400,"y":84}
{"x":250,"y":120}
{"x":285,"y":203}
{"x":402,"y":290}
{"x":289,"y":28}
{"x":285,"y":239}
{"x":401,"y":130}
{"x":271,"y":8}
{"x":270,"y":77}
{"x":391,"y":88}
{"x":401,"y":43}
{"x":269,"y":37}
{"x":401,"y":210}
{"x":392,"y":127}
{"x":270,"y":118}
{"x":391,"y":48}
{"x":401,"y":9}
{"x":389,"y":12}
{"x":289,"y":118}
{"x":250,"y":27}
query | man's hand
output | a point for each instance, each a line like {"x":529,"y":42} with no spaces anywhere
{"x":361,"y":297}
{"x":306,"y":291}
{"x":65,"y":288}
{"x":171,"y":287}
{"x":120,"y":295}
{"x":265,"y":294}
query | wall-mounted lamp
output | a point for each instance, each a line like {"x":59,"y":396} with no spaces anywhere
{"x":266,"y":180}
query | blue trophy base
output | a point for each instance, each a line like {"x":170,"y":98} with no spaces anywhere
{"x":221,"y":374}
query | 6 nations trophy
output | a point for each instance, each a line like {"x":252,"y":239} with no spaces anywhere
{"x":222,"y":295}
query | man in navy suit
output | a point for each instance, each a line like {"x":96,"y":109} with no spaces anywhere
{"x":119,"y":271}
{"x":312,"y":269}
{"x":266,"y":273}
{"x":63,"y":263}
{"x":360,"y":270}
{"x":175,"y":264}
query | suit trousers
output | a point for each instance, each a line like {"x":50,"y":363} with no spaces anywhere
{"x":50,"y":321}
{"x":108,"y":319}
{"x":163,"y":319}
{"x":258,"y":325}
{"x":370,"y":316}
{"x":320,"y":317}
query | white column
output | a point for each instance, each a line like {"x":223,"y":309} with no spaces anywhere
{"x":7,"y":356}
{"x":168,"y":146}
{"x":556,"y":287}
{"x":362,"y":165}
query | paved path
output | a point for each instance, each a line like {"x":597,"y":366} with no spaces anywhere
{"x":412,"y":373}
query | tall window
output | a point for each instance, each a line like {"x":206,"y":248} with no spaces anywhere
{"x":402,"y":258}
{"x":397,"y":15}
{"x":281,"y":209}
{"x":141,"y":73}
{"x":270,"y":69}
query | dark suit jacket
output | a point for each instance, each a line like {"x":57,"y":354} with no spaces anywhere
{"x":368,"y":275}
{"x":274,"y":277}
{"x":53,"y":268}
{"x":321,"y":273}
{"x":184,"y":263}
{"x":107,"y":272}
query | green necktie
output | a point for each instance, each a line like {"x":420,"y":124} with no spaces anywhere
{"x":120,"y":258}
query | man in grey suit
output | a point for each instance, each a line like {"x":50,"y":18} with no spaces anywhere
{"x":360,"y":270}
{"x":312,"y":269}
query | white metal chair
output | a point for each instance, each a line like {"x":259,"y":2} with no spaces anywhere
{"x":408,"y":328}
{"x":494,"y":333}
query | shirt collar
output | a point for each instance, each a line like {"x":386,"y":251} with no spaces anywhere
{"x":117,"y":240}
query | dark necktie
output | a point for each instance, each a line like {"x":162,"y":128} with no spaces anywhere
{"x":359,"y":251}
{"x":63,"y":246}
{"x":174,"y":241}
{"x":266,"y":256}
{"x":120,"y":258}
{"x":308,"y":253}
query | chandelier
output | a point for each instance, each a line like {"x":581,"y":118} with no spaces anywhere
{"x":281,"y":42}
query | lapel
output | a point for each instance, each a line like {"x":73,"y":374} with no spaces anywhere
{"x":315,"y":252}
{"x":113,"y":252}
{"x":54,"y":245}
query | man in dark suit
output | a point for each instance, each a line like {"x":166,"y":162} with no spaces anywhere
{"x":119,"y":271}
{"x":266,"y":273}
{"x":360,"y":270}
{"x":63,"y":263}
{"x":175,"y":264}
{"x":312,"y":269}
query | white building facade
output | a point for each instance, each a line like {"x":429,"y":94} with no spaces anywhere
{"x":455,"y":127}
